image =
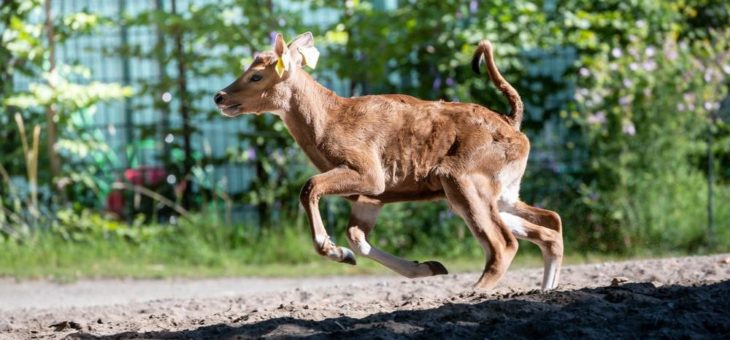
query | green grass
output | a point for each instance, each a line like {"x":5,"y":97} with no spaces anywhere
{"x":55,"y":259}
{"x":199,"y":249}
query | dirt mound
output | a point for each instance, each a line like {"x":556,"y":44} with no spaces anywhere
{"x":681,"y":297}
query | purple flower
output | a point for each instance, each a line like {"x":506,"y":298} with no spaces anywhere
{"x":616,"y":52}
{"x":597,"y":118}
{"x":650,"y":65}
{"x":671,"y":53}
{"x":624,"y":101}
{"x":473,"y":6}
{"x":272,"y":37}
{"x":251,"y":154}
{"x":650,"y":51}
{"x":634,"y":52}
{"x":688,"y":97}
{"x":449,"y":81}
{"x":436,"y":83}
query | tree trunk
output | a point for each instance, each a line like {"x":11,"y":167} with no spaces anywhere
{"x":184,"y":108}
{"x":52,"y":129}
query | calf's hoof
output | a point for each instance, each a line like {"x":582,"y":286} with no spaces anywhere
{"x":436,"y":267}
{"x":348,"y":256}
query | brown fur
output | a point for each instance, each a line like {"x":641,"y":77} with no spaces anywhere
{"x":389,"y":148}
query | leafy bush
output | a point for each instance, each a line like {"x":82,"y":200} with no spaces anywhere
{"x":645,"y":109}
{"x":620,"y":97}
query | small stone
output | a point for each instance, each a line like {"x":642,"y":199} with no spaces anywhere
{"x":65,"y":325}
{"x":725,"y":260}
{"x":618,"y":280}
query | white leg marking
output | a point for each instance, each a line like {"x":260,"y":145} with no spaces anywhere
{"x":402,"y":266}
{"x":550,"y":274}
{"x":363,"y":246}
{"x":514,"y":223}
{"x":320,"y":239}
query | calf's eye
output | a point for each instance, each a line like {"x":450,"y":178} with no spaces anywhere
{"x":256,"y":77}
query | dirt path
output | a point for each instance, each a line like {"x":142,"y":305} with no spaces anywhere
{"x":669,"y":297}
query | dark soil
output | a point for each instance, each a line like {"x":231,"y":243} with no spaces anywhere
{"x":669,"y":298}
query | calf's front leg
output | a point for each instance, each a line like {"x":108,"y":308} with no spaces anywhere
{"x":362,"y":221}
{"x":339,"y":181}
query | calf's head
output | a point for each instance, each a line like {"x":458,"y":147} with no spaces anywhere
{"x":266,"y":85}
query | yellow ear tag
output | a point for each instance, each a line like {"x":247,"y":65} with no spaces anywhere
{"x":310,"y":55}
{"x":282,"y":64}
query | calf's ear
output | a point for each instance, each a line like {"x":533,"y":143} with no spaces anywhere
{"x":279,"y":45}
{"x":302,"y":40}
{"x":303,"y":51}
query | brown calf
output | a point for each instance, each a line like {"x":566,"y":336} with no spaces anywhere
{"x":379,"y":149}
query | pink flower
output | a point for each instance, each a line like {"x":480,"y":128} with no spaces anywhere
{"x":134,"y":176}
{"x":145,"y":175}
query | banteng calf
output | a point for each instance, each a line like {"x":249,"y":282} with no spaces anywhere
{"x":379,"y":149}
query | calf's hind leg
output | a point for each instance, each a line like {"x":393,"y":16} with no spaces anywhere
{"x":362,"y":220}
{"x":477,"y":206}
{"x":544,"y":228}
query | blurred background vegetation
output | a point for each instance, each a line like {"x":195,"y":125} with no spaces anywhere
{"x":114,"y":160}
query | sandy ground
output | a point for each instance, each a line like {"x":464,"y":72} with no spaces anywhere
{"x":678,"y":297}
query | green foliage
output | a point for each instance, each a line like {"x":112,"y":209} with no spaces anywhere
{"x":207,"y":41}
{"x":645,"y":99}
{"x":612,"y":150}
{"x":620,"y":97}
{"x":59,"y":91}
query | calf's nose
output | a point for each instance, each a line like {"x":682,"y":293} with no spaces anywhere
{"x":218,"y":97}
